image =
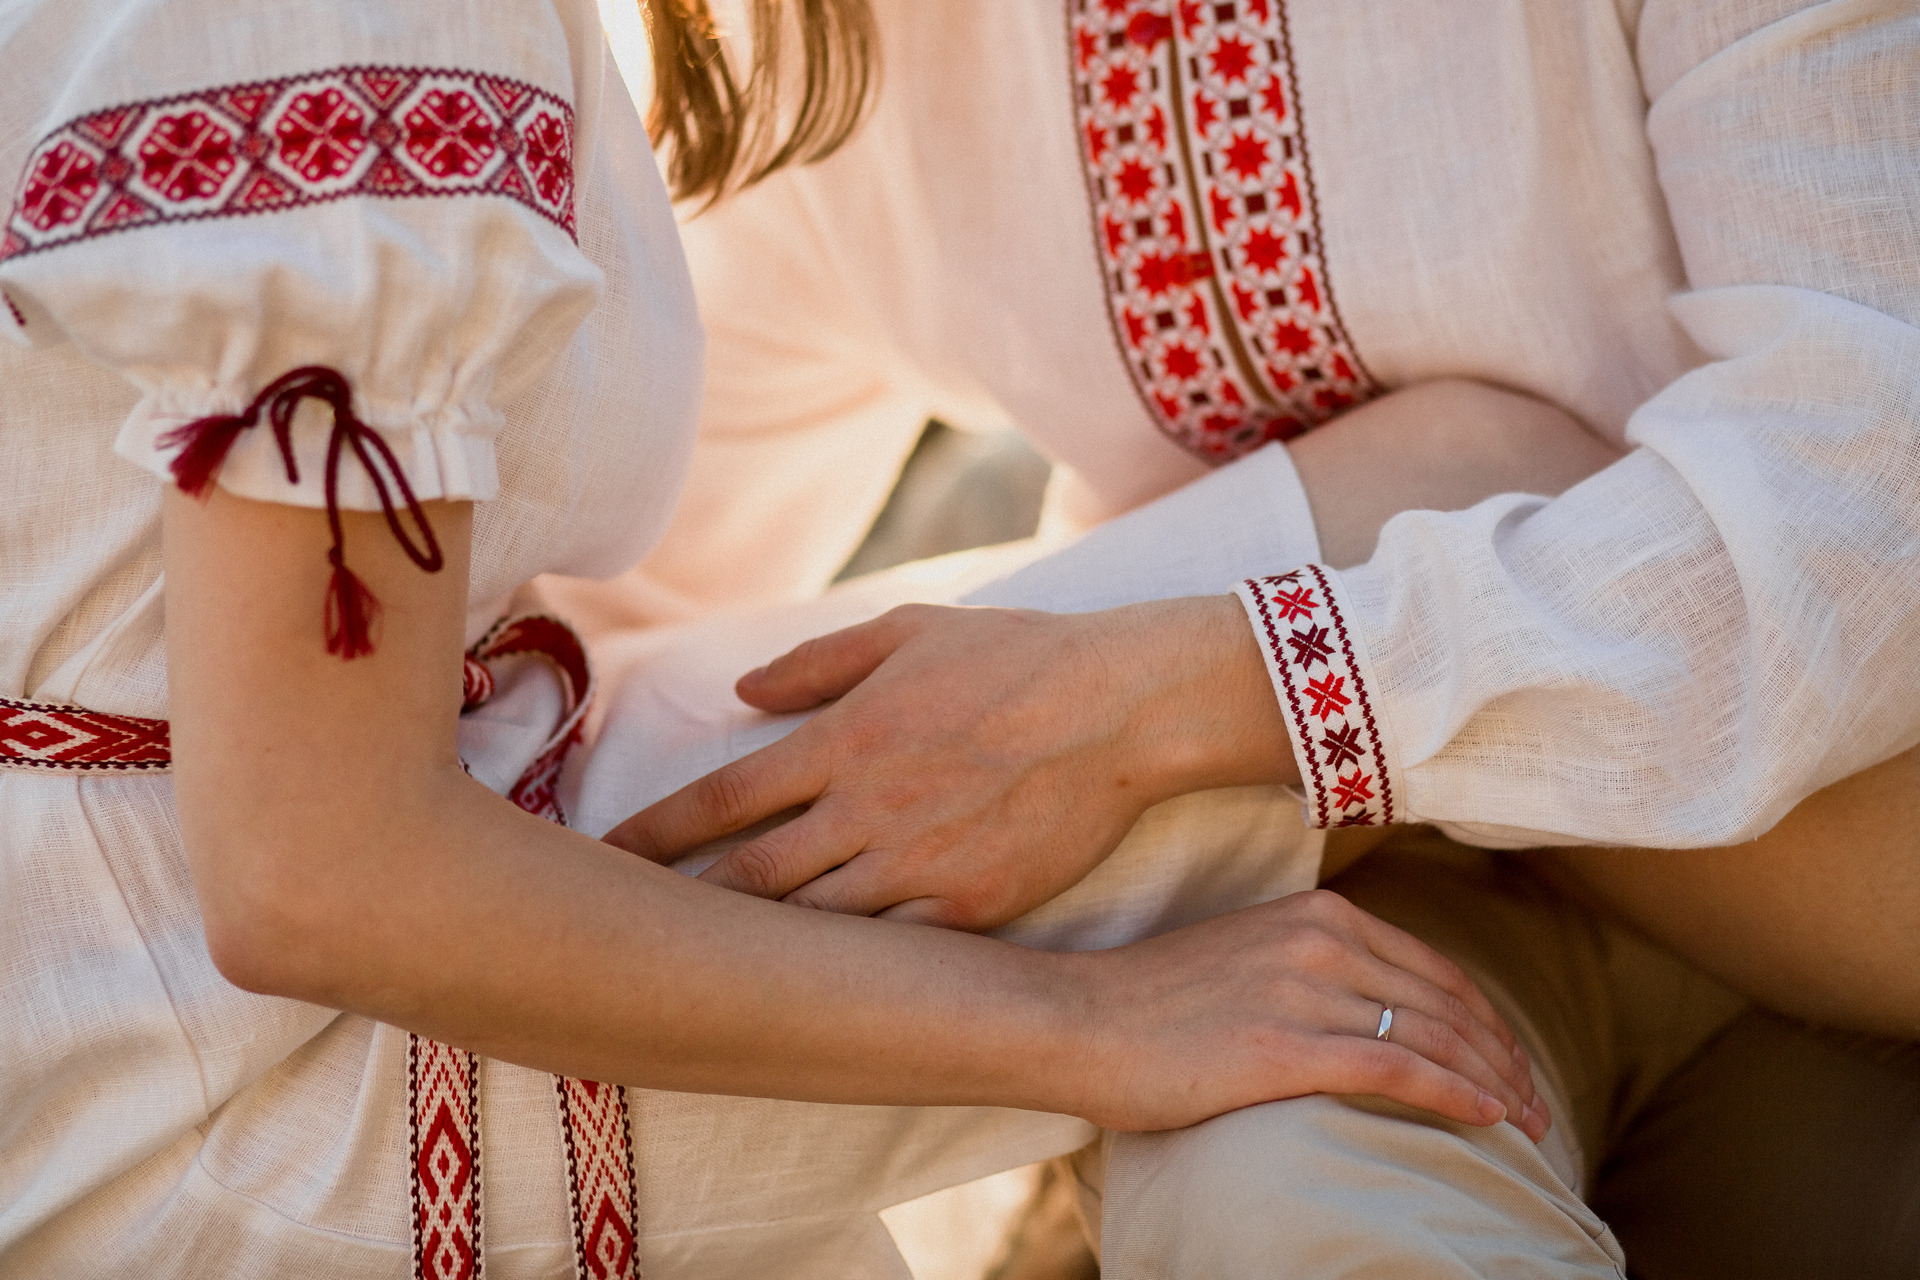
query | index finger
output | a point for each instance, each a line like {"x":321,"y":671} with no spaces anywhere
{"x":755,"y":787}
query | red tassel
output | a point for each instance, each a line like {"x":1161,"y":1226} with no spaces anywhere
{"x":207,"y":442}
{"x":351,"y":611}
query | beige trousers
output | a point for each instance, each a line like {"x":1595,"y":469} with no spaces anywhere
{"x":1331,"y":1186}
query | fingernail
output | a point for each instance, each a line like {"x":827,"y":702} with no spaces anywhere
{"x":1491,"y":1108}
{"x":754,"y":674}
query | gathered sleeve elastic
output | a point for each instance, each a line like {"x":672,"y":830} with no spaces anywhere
{"x":216,"y":195}
{"x":1680,"y":649}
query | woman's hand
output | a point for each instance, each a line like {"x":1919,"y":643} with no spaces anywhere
{"x":979,"y":761}
{"x":1284,"y":999}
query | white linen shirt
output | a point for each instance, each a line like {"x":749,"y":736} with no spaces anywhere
{"x":1152,"y":234}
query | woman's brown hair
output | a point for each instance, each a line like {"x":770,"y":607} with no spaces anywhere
{"x":724,"y":134}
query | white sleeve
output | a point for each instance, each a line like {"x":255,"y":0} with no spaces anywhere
{"x":214,"y":196}
{"x":1677,"y":651}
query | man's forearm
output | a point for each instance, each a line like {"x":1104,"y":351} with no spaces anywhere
{"x":1820,"y":917}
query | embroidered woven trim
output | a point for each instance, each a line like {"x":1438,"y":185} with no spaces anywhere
{"x":443,"y":1132}
{"x":595,"y":1119}
{"x":1206,"y":220}
{"x":1336,"y":738}
{"x":279,"y":144}
{"x":40,"y":736}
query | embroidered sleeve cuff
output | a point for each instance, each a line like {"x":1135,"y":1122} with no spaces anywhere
{"x":1320,"y":675}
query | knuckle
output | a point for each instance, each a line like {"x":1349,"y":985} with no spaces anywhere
{"x":1315,"y":947}
{"x":755,"y":869}
{"x":729,"y":793}
{"x":1324,"y":905}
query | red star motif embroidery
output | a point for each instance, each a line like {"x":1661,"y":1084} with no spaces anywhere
{"x":1232,"y":58}
{"x":1297,"y":603}
{"x":1292,"y":338}
{"x":1342,"y":746}
{"x":1120,"y":86}
{"x":1310,"y":646}
{"x":1327,"y":695}
{"x":1180,"y":361}
{"x":1357,"y":788}
{"x":1264,"y":250}
{"x":1247,"y":155}
{"x":1136,"y":181}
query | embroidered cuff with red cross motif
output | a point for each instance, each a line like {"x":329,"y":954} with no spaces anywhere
{"x":1320,"y":675}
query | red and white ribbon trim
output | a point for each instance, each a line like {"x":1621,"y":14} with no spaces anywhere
{"x":43,"y":737}
{"x":1323,"y":691}
{"x":269,"y":145}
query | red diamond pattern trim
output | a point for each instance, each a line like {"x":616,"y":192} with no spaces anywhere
{"x":444,"y":1138}
{"x":37,"y":736}
{"x":1336,"y":738}
{"x":1206,"y":222}
{"x":280,"y":144}
{"x":600,"y":1173}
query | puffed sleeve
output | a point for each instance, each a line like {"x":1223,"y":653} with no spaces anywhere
{"x":254,"y":211}
{"x":1677,"y":651}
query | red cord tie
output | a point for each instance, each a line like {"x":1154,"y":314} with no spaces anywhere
{"x":350,"y":609}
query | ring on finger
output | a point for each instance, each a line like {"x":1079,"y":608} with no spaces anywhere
{"x":1386,"y":1023}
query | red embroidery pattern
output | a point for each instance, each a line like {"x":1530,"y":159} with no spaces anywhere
{"x":1343,"y":759}
{"x":444,"y":1138}
{"x":38,"y":736}
{"x":595,"y":1119}
{"x":537,"y":790}
{"x":281,"y":144}
{"x":600,"y":1173}
{"x":1206,"y":220}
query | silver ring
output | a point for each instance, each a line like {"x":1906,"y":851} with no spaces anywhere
{"x":1386,"y":1023}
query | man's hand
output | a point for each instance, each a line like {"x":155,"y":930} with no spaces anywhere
{"x":979,"y":761}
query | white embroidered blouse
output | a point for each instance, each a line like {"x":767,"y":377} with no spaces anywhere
{"x":1155,"y":234}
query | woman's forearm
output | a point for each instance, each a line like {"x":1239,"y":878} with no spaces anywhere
{"x":468,"y":920}
{"x":1820,"y":917}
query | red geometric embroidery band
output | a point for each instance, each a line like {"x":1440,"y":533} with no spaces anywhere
{"x":41,"y":737}
{"x":1206,"y":221}
{"x":279,"y":144}
{"x":1336,"y":739}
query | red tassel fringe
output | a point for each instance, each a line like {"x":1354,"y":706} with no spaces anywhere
{"x":351,"y":612}
{"x":351,"y":609}
{"x":207,"y":442}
